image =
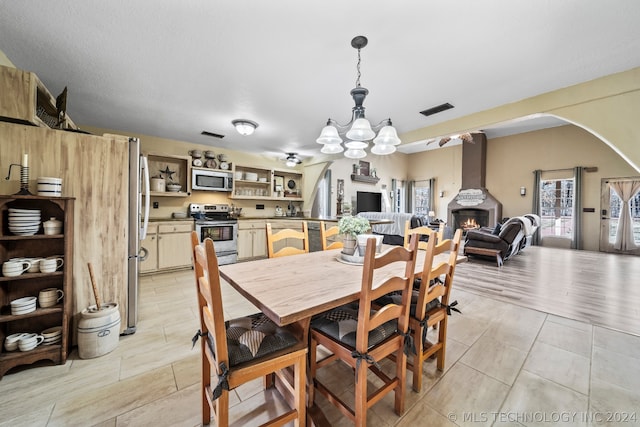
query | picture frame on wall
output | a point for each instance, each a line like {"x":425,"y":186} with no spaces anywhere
{"x":364,"y":168}
{"x":278,"y":182}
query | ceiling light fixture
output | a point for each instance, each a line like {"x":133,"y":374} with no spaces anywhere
{"x":292,"y":160}
{"x":244,"y":127}
{"x":358,"y":131}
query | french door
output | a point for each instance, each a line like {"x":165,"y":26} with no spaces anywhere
{"x":557,"y":201}
{"x":611,"y":206}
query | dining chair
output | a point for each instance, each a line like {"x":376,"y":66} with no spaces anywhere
{"x":243,"y":349}
{"x":325,"y":233}
{"x":431,"y":307}
{"x":422,"y":230}
{"x":361,"y":337}
{"x":287,"y":233}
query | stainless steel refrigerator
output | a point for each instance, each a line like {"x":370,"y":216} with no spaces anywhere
{"x":138,"y":223}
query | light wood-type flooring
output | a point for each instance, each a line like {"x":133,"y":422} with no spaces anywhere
{"x":509,"y":362}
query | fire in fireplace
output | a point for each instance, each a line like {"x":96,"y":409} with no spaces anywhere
{"x":470,"y":224}
{"x":468,"y":219}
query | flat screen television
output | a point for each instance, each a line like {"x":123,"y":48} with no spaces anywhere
{"x":367,"y":201}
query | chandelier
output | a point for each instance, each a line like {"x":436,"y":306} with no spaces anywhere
{"x":358,"y":131}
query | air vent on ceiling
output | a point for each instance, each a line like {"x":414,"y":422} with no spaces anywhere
{"x":437,"y":109}
{"x":211,"y":134}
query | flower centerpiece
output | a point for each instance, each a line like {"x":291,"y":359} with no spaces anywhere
{"x":351,"y":227}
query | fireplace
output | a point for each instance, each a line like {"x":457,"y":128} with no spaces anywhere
{"x":470,"y":219}
{"x":474,"y":206}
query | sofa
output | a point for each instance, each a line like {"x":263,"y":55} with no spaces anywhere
{"x":393,"y":233}
{"x":503,"y":241}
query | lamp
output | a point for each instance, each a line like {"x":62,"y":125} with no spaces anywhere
{"x":358,"y":131}
{"x":244,"y":127}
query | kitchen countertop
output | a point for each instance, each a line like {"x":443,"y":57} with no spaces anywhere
{"x":188,"y":219}
{"x":331,"y":219}
{"x":271,"y":218}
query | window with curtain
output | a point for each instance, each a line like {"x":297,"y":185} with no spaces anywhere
{"x":422,"y":197}
{"x":557,"y":207}
{"x":399,"y":199}
{"x":618,"y":209}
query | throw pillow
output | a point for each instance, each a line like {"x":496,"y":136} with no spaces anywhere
{"x":496,"y":230}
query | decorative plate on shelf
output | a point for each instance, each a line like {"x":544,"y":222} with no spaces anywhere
{"x":211,"y":163}
{"x":224,"y":165}
{"x":197,"y":163}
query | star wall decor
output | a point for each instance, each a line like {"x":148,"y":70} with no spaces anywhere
{"x":168,"y":173}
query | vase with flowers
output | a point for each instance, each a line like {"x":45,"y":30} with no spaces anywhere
{"x":350,"y":227}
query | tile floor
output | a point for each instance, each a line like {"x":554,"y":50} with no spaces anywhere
{"x":506,"y":366}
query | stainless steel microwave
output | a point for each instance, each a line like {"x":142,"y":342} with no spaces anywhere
{"x":208,"y":180}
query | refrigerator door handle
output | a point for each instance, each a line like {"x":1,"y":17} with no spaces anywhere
{"x":144,"y":165}
{"x":143,"y":254}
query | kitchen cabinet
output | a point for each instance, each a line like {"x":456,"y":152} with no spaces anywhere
{"x":252,"y":183}
{"x":30,"y":284}
{"x":26,"y":100}
{"x":252,"y":239}
{"x":174,"y":169}
{"x":150,"y":243}
{"x":174,"y":245}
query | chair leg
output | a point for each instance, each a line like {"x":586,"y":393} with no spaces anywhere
{"x":360,"y":403}
{"x":442,"y":338}
{"x":268,"y":380}
{"x":299,"y":390}
{"x":313,"y":347}
{"x":417,"y":359}
{"x":401,"y":375}
{"x":222,"y":409}
{"x":206,"y":382}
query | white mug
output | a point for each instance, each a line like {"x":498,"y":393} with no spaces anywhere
{"x":49,"y":265}
{"x":15,"y":268}
{"x":29,"y":341}
{"x":11,"y":341}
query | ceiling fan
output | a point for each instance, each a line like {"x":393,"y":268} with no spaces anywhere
{"x":292,"y":159}
{"x":465,"y":137}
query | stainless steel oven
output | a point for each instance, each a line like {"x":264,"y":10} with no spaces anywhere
{"x":214,"y":222}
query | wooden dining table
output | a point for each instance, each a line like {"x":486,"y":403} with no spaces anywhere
{"x":291,"y":290}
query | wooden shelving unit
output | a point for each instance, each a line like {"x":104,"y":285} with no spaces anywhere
{"x":30,"y":284}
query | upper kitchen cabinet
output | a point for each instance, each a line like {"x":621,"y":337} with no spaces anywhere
{"x":26,"y":100}
{"x":170,"y":175}
{"x":252,"y":183}
{"x":287,"y":185}
{"x":266,"y":184}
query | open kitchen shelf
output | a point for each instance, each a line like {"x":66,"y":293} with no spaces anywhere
{"x":179,"y":168}
{"x":30,"y":284}
{"x":280,"y":185}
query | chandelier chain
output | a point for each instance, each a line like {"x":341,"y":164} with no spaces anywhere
{"x":358,"y":68}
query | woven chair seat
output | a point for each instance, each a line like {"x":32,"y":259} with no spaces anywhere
{"x":341,"y":324}
{"x":254,"y":336}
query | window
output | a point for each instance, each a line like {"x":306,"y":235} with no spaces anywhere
{"x":615,"y":207}
{"x":556,"y":207}
{"x":422,"y":198}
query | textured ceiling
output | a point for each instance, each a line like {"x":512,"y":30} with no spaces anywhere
{"x":175,"y":68}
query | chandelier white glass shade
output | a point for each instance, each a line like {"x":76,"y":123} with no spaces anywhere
{"x":358,"y":132}
{"x":244,"y":127}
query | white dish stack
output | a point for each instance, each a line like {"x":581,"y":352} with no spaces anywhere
{"x":52,"y":335}
{"x":24,"y":222}
{"x":23,"y":305}
{"x":49,"y":187}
